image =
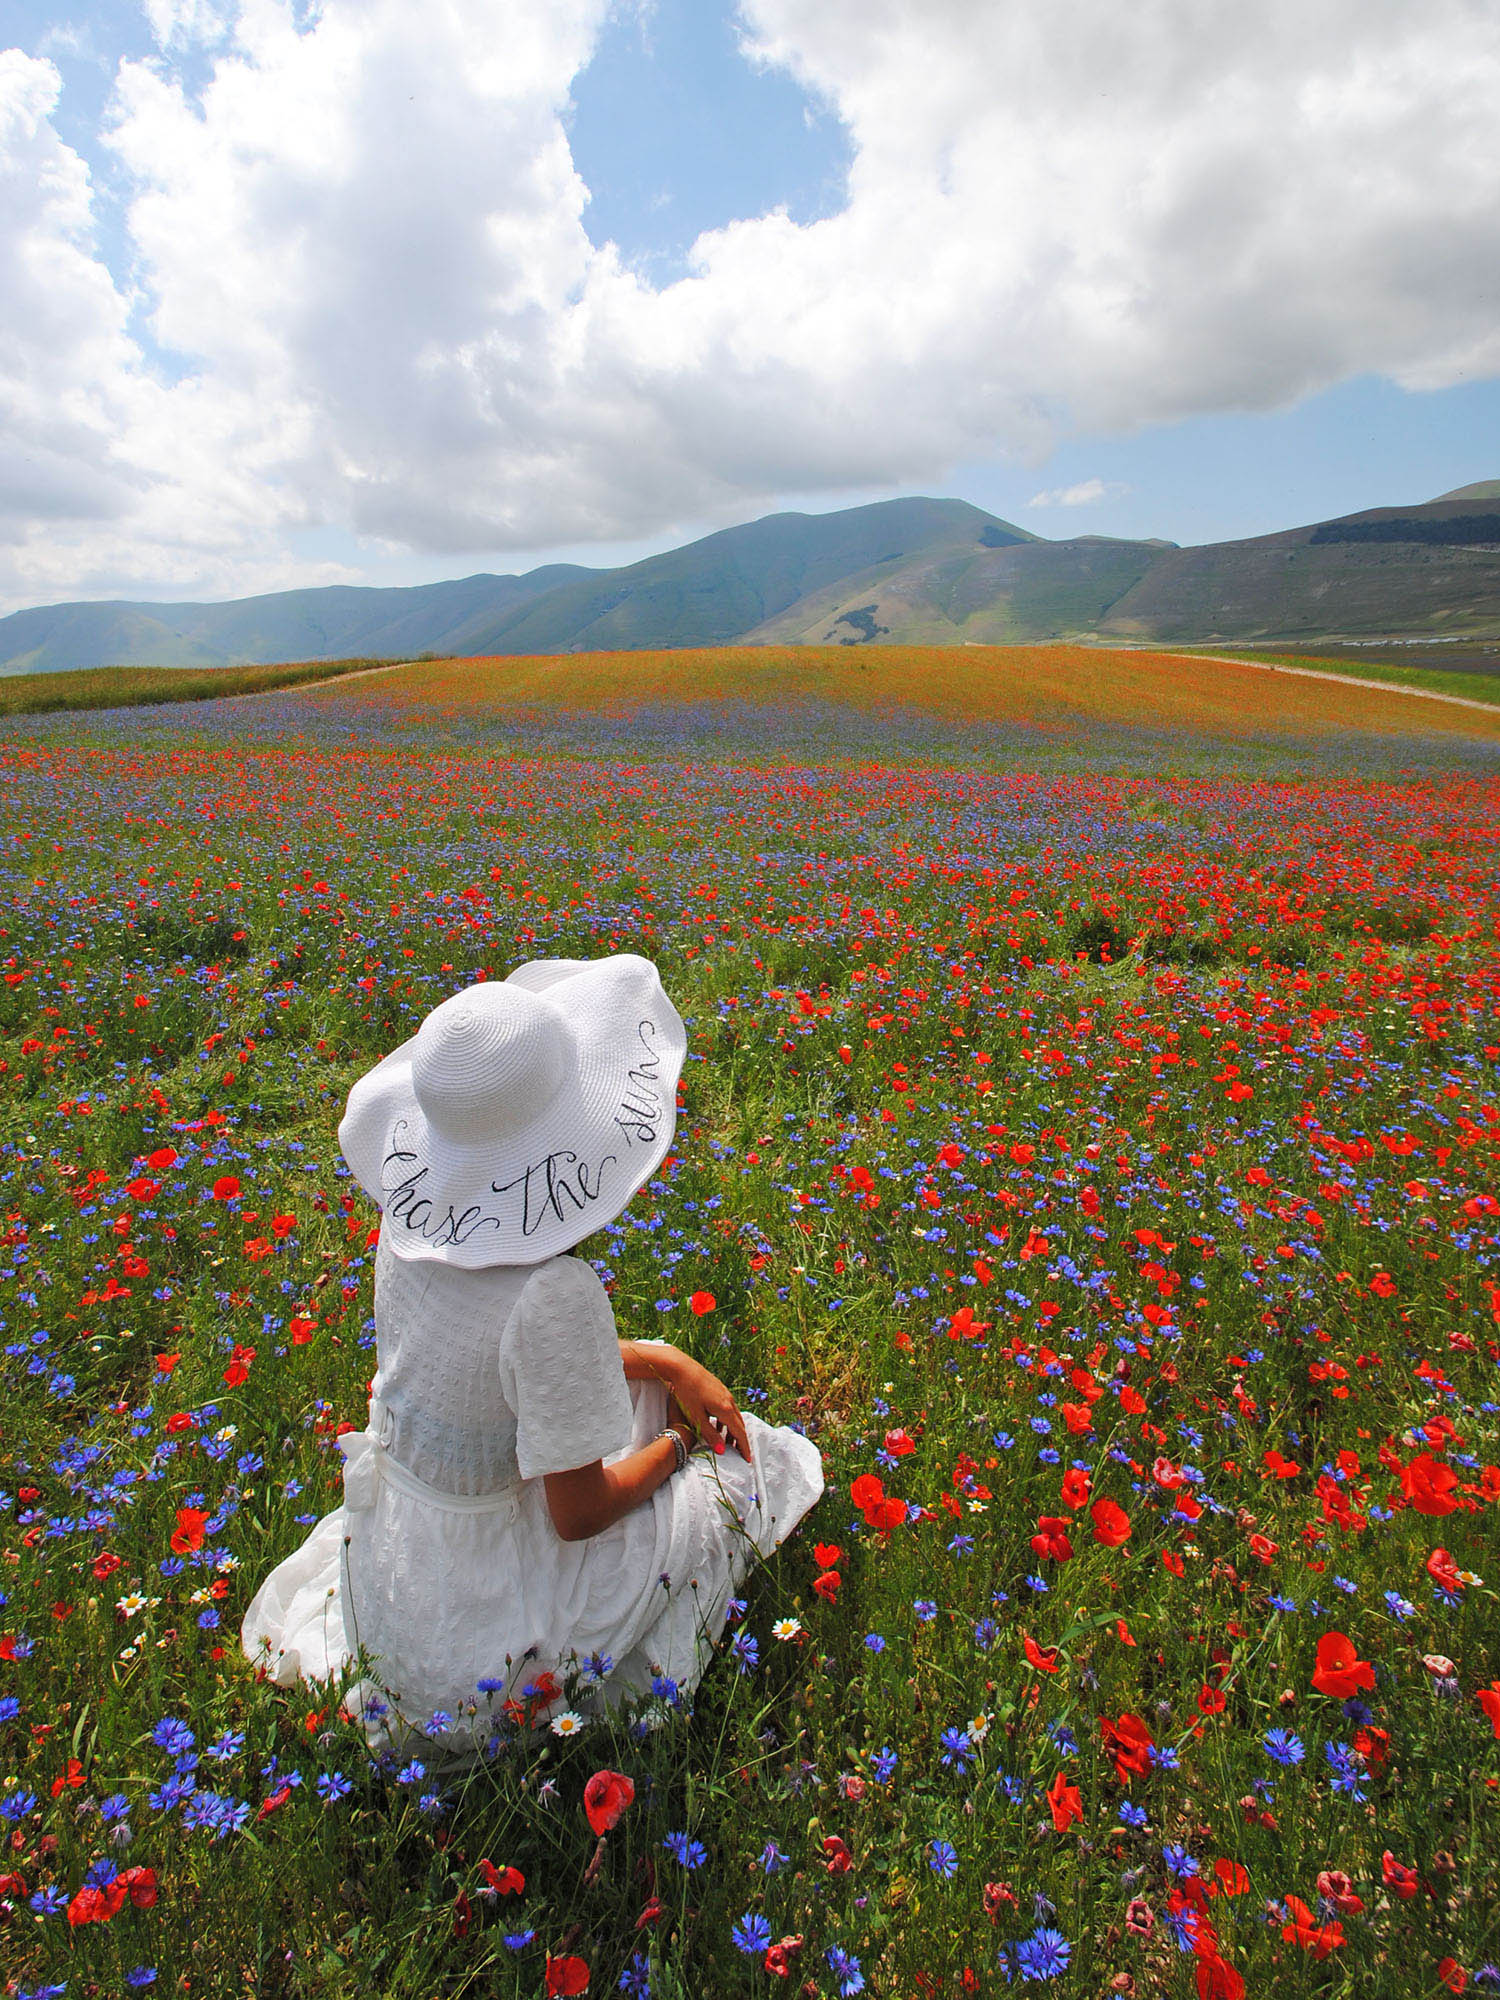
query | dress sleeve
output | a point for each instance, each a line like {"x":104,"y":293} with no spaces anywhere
{"x":561,"y":1372}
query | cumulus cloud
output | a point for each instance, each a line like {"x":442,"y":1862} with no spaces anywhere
{"x":1084,"y":494}
{"x":362,"y":241}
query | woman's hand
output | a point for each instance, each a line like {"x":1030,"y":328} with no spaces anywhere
{"x":698,"y":1398}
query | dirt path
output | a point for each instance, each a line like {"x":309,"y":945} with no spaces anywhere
{"x":1344,"y":680}
{"x":333,"y":680}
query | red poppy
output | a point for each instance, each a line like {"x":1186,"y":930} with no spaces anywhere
{"x":1111,"y":1524}
{"x":226,"y":1187}
{"x":1051,"y":1539}
{"x":1231,"y":1878}
{"x":827,"y":1555}
{"x":189,"y":1532}
{"x":606,"y":1797}
{"x":1340,"y":1671}
{"x":699,"y":1304}
{"x":1396,"y":1875}
{"x":506,"y":1881}
{"x":840,"y":1860}
{"x":1065,"y":1802}
{"x":1218,"y":1980}
{"x":1444,"y":1570}
{"x":1319,"y":1939}
{"x":1075,"y":1487}
{"x":898,"y":1444}
{"x":1129,"y":1742}
{"x":1428,"y":1484}
{"x":827,"y":1586}
{"x":1452,"y":1975}
{"x":1489,"y":1700}
{"x":566,"y":1975}
{"x":1210,"y":1700}
{"x":1044,"y":1659}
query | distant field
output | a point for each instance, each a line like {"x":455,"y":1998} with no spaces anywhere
{"x":1033,"y":686}
{"x":1471,"y":672}
{"x":151,"y":687}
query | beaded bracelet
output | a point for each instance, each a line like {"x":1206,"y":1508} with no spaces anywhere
{"x":679,"y":1446}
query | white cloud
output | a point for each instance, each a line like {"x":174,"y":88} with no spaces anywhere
{"x":364,"y":238}
{"x":1084,"y":494}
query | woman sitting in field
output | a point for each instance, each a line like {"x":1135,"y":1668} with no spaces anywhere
{"x":532,"y":1492}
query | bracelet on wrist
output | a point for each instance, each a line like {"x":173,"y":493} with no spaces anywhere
{"x":679,"y":1446}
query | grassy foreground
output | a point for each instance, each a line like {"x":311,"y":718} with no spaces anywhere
{"x":1100,"y":1170}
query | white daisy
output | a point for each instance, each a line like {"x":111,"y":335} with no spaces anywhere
{"x":978,"y":1729}
{"x":569,"y":1723}
{"x":130,"y":1603}
{"x":225,"y":1435}
{"x":786,"y":1628}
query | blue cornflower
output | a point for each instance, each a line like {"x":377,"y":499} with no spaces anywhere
{"x":173,"y":1736}
{"x":143,"y":1975}
{"x":752,"y":1934}
{"x":961,"y":1545}
{"x":171,"y":1792}
{"x":635,"y":1980}
{"x":226,"y":1746}
{"x":518,"y":1940}
{"x":985,"y":1634}
{"x":874,"y":1643}
{"x":925,"y":1609}
{"x":490,"y":1685}
{"x":1039,"y":1583}
{"x":746,"y":1650}
{"x":432,"y":1803}
{"x":334,"y":1785}
{"x":958,"y":1748}
{"x":413,"y":1774}
{"x":1284,"y":1746}
{"x":666,"y":1689}
{"x":845,"y":1968}
{"x":208,"y":1619}
{"x":942,"y":1859}
{"x":47,"y":1902}
{"x":15,"y":1805}
{"x":772,"y":1860}
{"x":1399,"y":1606}
{"x":1135,"y":1816}
{"x":1282,"y":1603}
{"x":114,"y":1807}
{"x":882,"y":1764}
{"x":1162,"y":1757}
{"x":440,"y":1723}
{"x":99,"y":1874}
{"x":1179,"y":1862}
{"x":1346,"y":1771}
{"x":10,"y":1707}
{"x":1043,"y":1955}
{"x":687,"y":1852}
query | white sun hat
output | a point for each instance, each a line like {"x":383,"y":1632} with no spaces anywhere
{"x":523,"y":1114}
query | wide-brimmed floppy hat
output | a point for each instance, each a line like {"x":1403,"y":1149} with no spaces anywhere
{"x":523,"y":1114}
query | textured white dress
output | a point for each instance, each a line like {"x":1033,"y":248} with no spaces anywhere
{"x":443,"y":1561}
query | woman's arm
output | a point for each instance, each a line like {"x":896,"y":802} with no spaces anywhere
{"x":591,"y":1498}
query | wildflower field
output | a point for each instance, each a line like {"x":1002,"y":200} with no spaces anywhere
{"x":1099,"y":1163}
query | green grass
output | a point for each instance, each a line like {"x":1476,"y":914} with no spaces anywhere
{"x":150,"y":687}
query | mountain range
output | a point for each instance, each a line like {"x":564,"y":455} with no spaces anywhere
{"x":914,"y":571}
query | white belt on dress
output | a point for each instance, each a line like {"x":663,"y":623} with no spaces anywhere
{"x":367,"y":1462}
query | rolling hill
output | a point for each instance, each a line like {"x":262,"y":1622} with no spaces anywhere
{"x":910,"y":571}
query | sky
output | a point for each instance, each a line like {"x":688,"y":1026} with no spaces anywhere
{"x":366,"y":291}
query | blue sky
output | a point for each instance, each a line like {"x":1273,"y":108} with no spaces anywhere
{"x":402,"y":335}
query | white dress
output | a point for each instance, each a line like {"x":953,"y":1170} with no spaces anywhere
{"x":443,"y":1561}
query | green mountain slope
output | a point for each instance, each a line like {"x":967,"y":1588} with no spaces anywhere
{"x":730,"y":584}
{"x":1391,"y":570}
{"x":963,"y":592}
